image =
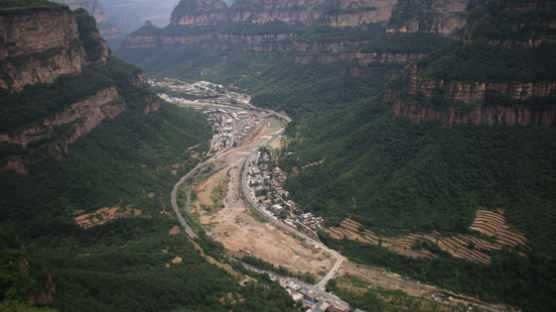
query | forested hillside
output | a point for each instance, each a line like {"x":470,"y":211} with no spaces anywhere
{"x":393,"y":154}
{"x":88,"y":159}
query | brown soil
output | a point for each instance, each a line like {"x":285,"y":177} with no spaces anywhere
{"x":105,"y":214}
{"x":204,"y":189}
{"x":236,"y":228}
{"x":226,"y":267}
{"x":177,"y":260}
{"x":276,"y":144}
{"x":151,"y":195}
{"x":174,"y":230}
{"x":315,"y":163}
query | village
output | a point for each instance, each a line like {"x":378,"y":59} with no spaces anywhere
{"x":200,"y":91}
{"x":231,"y":125}
{"x":266,"y":182}
{"x":309,"y":298}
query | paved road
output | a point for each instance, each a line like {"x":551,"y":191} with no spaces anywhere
{"x":318,"y":288}
{"x":174,"y":194}
{"x":328,"y":297}
{"x":339,"y":259}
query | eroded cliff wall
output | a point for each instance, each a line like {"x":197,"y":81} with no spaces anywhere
{"x":37,"y":46}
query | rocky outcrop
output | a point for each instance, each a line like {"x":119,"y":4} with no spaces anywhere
{"x":16,"y":165}
{"x":46,"y":295}
{"x":359,"y":57}
{"x":511,"y":25}
{"x":486,"y":115}
{"x":217,"y":41}
{"x":446,"y":17}
{"x":152,"y":105}
{"x":86,"y":114}
{"x":199,"y":13}
{"x":83,"y":115}
{"x":94,"y":7}
{"x":342,"y":13}
{"x":107,"y":29}
{"x":474,"y":92}
{"x":38,"y":46}
{"x":357,"y":13}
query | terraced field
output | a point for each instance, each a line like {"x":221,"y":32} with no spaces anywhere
{"x":469,"y":247}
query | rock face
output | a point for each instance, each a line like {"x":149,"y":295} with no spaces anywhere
{"x":46,"y":295}
{"x":487,"y":115}
{"x":86,"y":115}
{"x":359,"y":57}
{"x":94,"y":7}
{"x":522,"y":30}
{"x":489,"y":102}
{"x":342,"y":13}
{"x":38,"y":46}
{"x":107,"y":29}
{"x":357,"y":13}
{"x":446,"y":17}
{"x":211,"y":16}
{"x":473,"y":92}
{"x":199,"y":13}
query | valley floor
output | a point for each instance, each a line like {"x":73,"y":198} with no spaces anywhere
{"x":213,"y":197}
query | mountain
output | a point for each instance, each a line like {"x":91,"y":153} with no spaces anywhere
{"x":425,"y":138}
{"x":84,"y":138}
{"x":483,"y":79}
{"x":108,"y":29}
{"x":131,"y":14}
{"x":446,"y":17}
{"x":321,"y":31}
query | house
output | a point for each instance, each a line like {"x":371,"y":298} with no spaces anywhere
{"x":305,"y":216}
{"x":277,"y":209}
{"x":332,"y":308}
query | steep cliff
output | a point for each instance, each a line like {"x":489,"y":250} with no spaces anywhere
{"x":108,"y":29}
{"x":502,"y":72}
{"x":325,"y":31}
{"x":342,"y":13}
{"x":38,"y":45}
{"x":199,"y":13}
{"x":446,"y":17}
{"x":94,"y":7}
{"x":356,"y":13}
{"x":58,"y":83}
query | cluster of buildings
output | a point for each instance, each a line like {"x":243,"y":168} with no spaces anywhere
{"x":267,"y":185}
{"x":309,"y":299}
{"x":208,"y":92}
{"x":231,"y":128}
{"x":310,"y":221}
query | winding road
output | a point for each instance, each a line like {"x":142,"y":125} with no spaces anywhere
{"x":339,"y":259}
{"x":319,"y":288}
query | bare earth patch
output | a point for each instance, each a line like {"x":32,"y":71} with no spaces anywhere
{"x":174,"y":230}
{"x":204,"y":189}
{"x":239,"y":231}
{"x":105,"y":214}
{"x":177,"y":260}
